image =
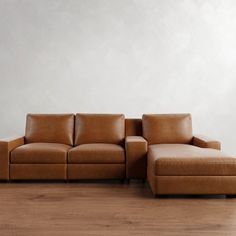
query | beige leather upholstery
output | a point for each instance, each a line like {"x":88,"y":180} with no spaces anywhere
{"x":167,"y":128}
{"x":136,"y":157}
{"x":97,"y":153}
{"x":40,"y":153}
{"x":205,"y":142}
{"x":6,"y":146}
{"x":188,"y":160}
{"x":47,"y":128}
{"x":99,"y":128}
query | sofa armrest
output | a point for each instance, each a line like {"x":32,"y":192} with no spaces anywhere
{"x":136,"y":151}
{"x":6,"y":146}
{"x":205,"y":142}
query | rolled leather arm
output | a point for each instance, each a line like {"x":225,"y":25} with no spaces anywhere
{"x":205,"y":142}
{"x":136,"y":151}
{"x":6,"y":146}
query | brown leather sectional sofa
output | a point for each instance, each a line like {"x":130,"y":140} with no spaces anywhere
{"x":108,"y":146}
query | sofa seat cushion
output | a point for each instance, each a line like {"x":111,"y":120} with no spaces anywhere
{"x":97,"y":153}
{"x":40,"y":153}
{"x":188,"y":160}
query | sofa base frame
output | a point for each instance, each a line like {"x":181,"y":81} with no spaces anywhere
{"x":193,"y":185}
{"x":38,"y":171}
{"x":96,"y":171}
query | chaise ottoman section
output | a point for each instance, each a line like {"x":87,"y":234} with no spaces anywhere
{"x":187,"y":169}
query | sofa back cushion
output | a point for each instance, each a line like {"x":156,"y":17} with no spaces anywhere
{"x":167,"y":128}
{"x":99,"y":128}
{"x":50,"y":128}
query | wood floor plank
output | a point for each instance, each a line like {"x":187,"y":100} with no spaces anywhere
{"x":39,"y":209}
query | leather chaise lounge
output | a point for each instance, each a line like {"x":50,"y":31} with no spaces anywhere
{"x":160,"y":148}
{"x":179,"y":163}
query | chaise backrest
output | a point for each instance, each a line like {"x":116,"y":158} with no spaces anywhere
{"x":50,"y":128}
{"x":167,"y":128}
{"x":133,"y":127}
{"x":99,"y":128}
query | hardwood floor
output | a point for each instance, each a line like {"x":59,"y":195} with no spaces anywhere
{"x":48,"y":209}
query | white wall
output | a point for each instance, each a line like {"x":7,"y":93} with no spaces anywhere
{"x":120,"y":56}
